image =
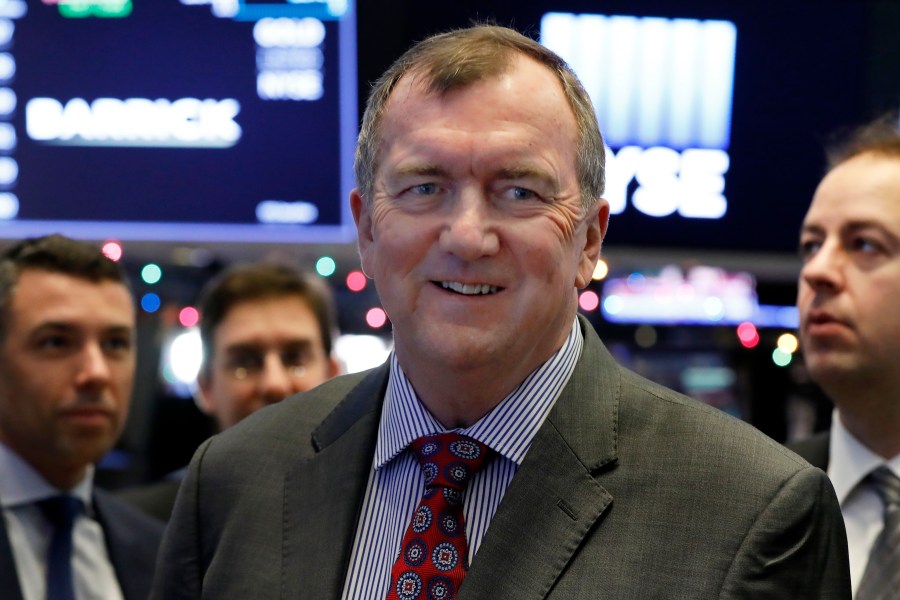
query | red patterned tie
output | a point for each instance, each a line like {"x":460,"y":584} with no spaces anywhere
{"x":434,"y":555}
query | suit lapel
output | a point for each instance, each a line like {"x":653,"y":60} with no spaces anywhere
{"x":9,"y":577}
{"x":132,"y":541}
{"x":554,"y":499}
{"x":323,"y":494}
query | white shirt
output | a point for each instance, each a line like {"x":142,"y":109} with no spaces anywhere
{"x":396,"y":482}
{"x":849,"y":463}
{"x":29,"y":533}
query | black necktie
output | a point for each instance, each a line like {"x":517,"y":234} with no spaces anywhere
{"x":61,"y":511}
{"x":881,"y":580}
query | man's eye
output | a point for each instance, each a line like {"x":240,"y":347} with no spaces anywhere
{"x":250,"y":362}
{"x":425,"y":189}
{"x":117,"y":344}
{"x":520,"y":193}
{"x":809,"y":247}
{"x":293,"y":358}
{"x":54,"y":342}
{"x":865,"y":245}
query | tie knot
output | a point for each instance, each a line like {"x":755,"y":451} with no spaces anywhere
{"x":888,"y":487}
{"x":61,"y":510}
{"x":449,"y":459}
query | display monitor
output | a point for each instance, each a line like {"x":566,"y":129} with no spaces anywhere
{"x":190,"y":120}
{"x":716,"y":113}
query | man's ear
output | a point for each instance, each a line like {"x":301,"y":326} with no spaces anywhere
{"x":334,"y":367}
{"x":364,"y":235}
{"x":596,"y":220}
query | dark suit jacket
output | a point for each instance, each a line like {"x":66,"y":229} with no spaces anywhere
{"x":814,"y":449}
{"x":132,"y":540}
{"x":629,"y":491}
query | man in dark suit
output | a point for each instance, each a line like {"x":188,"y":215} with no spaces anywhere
{"x":67,"y":356}
{"x":500,"y":452}
{"x":267,"y":332}
{"x":850,"y":327}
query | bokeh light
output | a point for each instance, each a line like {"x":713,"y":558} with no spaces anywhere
{"x":356,"y":281}
{"x":714,"y":308}
{"x":150,"y":302}
{"x":645,"y":336}
{"x":781,"y":358}
{"x":185,"y":357}
{"x":613,"y":305}
{"x":326,"y":266}
{"x":151,"y":273}
{"x":376,"y":317}
{"x":112,"y":250}
{"x":600,"y":271}
{"x":188,"y":316}
{"x":589,"y":300}
{"x":748,"y":335}
{"x":788,"y":343}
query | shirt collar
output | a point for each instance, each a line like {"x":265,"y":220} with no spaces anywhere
{"x":850,"y":461}
{"x":508,"y":428}
{"x":21,"y":484}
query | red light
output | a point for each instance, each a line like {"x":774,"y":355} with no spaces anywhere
{"x":356,"y":281}
{"x":747,"y":331}
{"x":589,"y":301}
{"x":748,"y":335}
{"x":376,"y":317}
{"x":188,"y":316}
{"x":112,"y":251}
{"x":750,"y":343}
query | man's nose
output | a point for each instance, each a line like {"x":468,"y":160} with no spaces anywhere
{"x":275,"y":380}
{"x":824,"y":270}
{"x":470,"y":230}
{"x":94,"y":368}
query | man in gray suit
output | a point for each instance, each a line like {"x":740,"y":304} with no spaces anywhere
{"x":850,"y":326}
{"x":67,"y":358}
{"x":479,"y":214}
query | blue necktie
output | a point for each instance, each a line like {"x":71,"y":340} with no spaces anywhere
{"x":61,"y":511}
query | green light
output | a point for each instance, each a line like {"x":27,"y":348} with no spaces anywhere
{"x":80,"y":9}
{"x":781,"y":358}
{"x":325,"y":266}
{"x":151,"y":273}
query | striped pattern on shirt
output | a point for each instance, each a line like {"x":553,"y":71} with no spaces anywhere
{"x":396,"y":483}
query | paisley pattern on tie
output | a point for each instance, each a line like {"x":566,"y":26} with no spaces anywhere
{"x":433,"y":557}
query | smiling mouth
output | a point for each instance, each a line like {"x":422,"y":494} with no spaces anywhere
{"x":468,"y":289}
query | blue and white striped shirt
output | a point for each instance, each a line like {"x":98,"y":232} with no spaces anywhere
{"x":396,"y":483}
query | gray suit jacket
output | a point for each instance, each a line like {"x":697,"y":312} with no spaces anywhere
{"x":630,"y":491}
{"x":132,"y":540}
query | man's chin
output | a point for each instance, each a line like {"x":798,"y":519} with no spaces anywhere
{"x":456,"y":346}
{"x":826,"y":367}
